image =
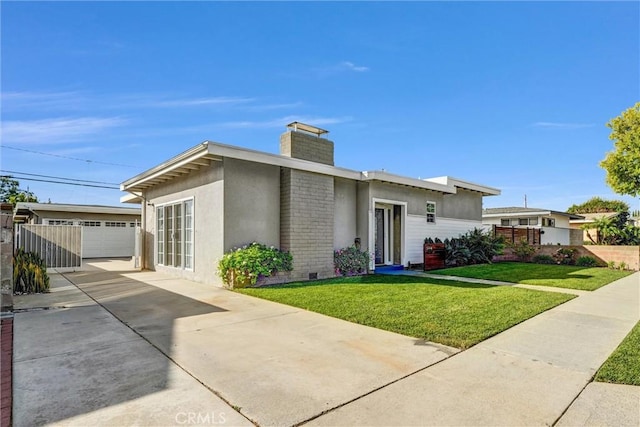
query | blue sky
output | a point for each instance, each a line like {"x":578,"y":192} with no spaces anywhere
{"x":509,"y":94}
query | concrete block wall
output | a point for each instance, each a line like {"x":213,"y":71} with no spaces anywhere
{"x":630,"y":255}
{"x":6,"y":257}
{"x":6,"y":369}
{"x":306,"y":147}
{"x":307,"y":222}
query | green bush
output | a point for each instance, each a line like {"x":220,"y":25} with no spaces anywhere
{"x":351,"y":261}
{"x":611,"y":265}
{"x":243,"y":266}
{"x":473,"y":247}
{"x":29,"y":273}
{"x":522,"y":249}
{"x":622,"y":266}
{"x":586,"y":261}
{"x":565,"y":256}
{"x":543,"y":259}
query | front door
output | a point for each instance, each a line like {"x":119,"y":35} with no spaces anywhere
{"x":383,"y":235}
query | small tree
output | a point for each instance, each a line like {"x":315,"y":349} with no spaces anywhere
{"x":599,"y":205}
{"x":623,"y":163}
{"x":10,"y":192}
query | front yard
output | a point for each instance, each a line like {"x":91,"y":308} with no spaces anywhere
{"x":561,"y":276}
{"x":447,"y":312}
{"x":623,"y":366}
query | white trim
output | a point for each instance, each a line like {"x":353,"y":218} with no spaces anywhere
{"x":162,"y":206}
{"x":435,"y":211}
{"x":403,"y":229}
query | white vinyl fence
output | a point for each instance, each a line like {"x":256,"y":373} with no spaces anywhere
{"x":60,"y":246}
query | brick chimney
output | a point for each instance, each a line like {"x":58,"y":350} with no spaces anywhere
{"x":302,"y":141}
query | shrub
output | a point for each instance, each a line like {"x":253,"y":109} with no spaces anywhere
{"x":473,"y":247}
{"x":586,"y":261}
{"x":565,"y":256}
{"x":611,"y":265}
{"x":522,"y":249}
{"x":29,"y":273}
{"x":543,"y":259}
{"x":622,"y":265}
{"x":243,"y":266}
{"x":351,"y":261}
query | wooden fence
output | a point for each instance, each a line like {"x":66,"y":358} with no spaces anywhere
{"x":515,"y":234}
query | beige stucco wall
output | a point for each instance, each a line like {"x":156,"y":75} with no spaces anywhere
{"x":345,"y":213}
{"x":206,"y":186}
{"x":251,"y":203}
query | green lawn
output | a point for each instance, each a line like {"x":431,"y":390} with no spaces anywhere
{"x":561,"y":276}
{"x":451,"y":313}
{"x":623,"y":366}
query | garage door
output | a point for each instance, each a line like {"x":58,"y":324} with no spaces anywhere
{"x":107,"y":239}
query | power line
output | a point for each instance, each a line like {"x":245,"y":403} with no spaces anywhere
{"x":67,"y":157}
{"x":59,"y":182}
{"x":59,"y":177}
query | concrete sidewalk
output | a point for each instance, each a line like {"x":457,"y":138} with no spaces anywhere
{"x":158,"y":350}
{"x":527,"y":375}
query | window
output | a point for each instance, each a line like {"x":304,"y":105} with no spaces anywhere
{"x":174,"y":237}
{"x":431,"y":212}
{"x":523,"y":221}
{"x":90,"y":223}
{"x":505,"y":222}
{"x":548,"y":222}
{"x":114,"y":224}
{"x":533,"y":220}
{"x":59,"y":222}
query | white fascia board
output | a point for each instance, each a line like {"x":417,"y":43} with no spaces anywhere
{"x":178,"y":161}
{"x":229,"y":151}
{"x":515,"y":214}
{"x":131,"y":198}
{"x":412,"y":182}
{"x":448,"y":180}
{"x":54,"y":207}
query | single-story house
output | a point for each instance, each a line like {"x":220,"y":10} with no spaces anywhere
{"x":589,"y":218}
{"x":215,"y":197}
{"x":553,"y":225}
{"x":107,"y":231}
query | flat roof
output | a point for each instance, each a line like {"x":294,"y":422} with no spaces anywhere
{"x":515,"y":211}
{"x":207,"y":152}
{"x":62,"y":207}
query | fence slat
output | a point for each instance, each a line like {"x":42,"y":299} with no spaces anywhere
{"x":60,"y":246}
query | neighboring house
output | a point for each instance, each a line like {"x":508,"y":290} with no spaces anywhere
{"x":553,"y":225}
{"x":215,"y":197}
{"x":589,"y":218}
{"x":107,"y":231}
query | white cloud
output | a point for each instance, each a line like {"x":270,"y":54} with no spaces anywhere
{"x":42,"y":100}
{"x":51,"y":131}
{"x":341,"y":67}
{"x":196,"y":102}
{"x":353,"y":67}
{"x":283,"y":121}
{"x":561,"y":125}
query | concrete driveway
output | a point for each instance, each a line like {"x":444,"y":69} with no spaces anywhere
{"x":113,"y":346}
{"x":157,"y":350}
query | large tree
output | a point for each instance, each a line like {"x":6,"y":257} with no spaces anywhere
{"x":623,"y":163}
{"x":599,"y":205}
{"x":10,"y":192}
